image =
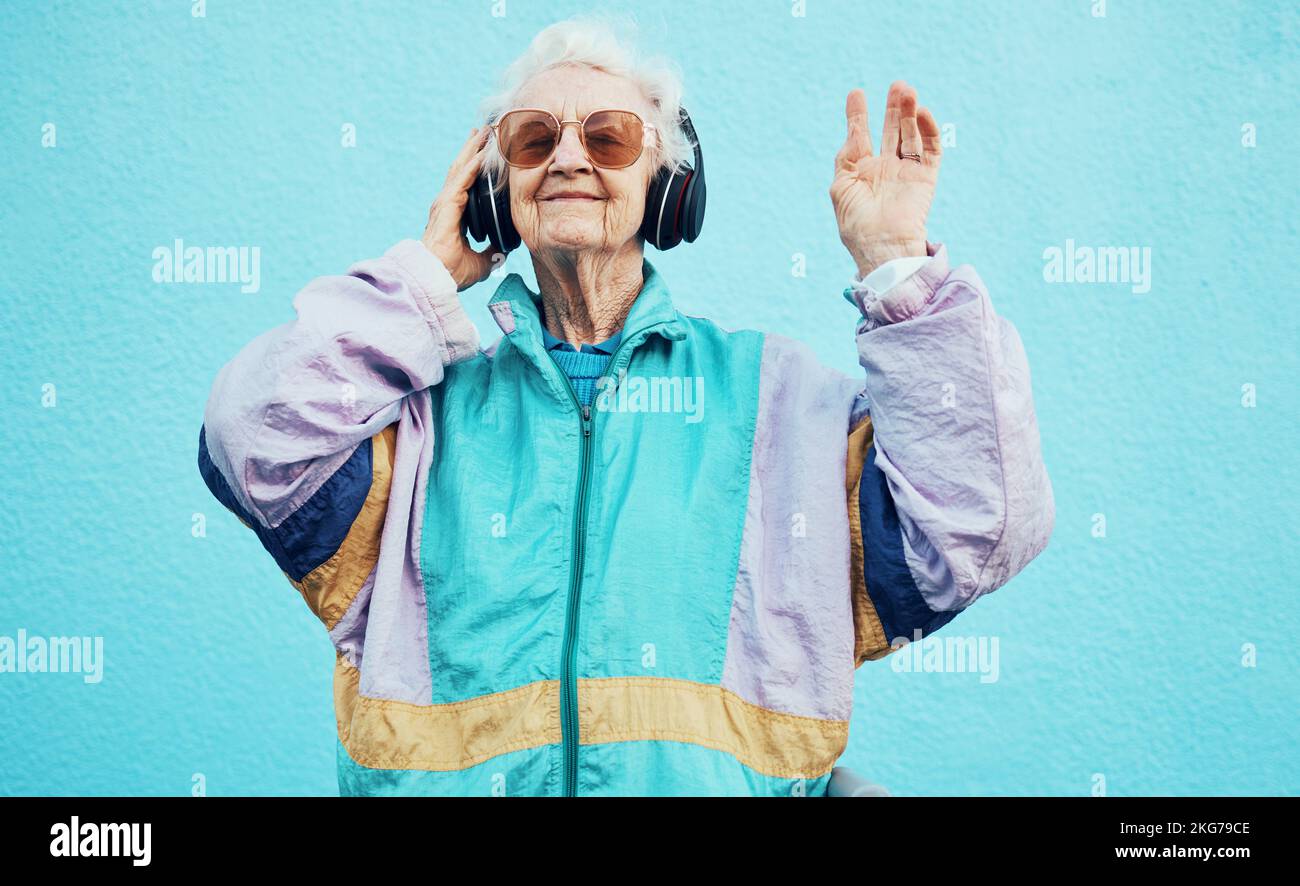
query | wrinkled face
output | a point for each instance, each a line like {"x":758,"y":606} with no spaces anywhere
{"x":612,"y":203}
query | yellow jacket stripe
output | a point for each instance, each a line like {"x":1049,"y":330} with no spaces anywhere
{"x":330,"y":588}
{"x":385,"y":734}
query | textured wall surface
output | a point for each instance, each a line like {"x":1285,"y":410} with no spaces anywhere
{"x":1119,"y":656}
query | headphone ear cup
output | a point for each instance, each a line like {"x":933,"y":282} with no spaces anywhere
{"x":660,"y":227}
{"x":509,"y":237}
{"x":691,"y":219}
{"x":487,"y":215}
{"x":471,"y":222}
{"x":649,"y":219}
{"x":674,"y":209}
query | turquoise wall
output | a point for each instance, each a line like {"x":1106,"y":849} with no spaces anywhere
{"x":1120,"y":656}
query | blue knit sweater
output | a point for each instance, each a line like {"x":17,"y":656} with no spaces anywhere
{"x":582,"y":367}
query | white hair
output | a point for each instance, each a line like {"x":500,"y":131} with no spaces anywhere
{"x":594,"y":41}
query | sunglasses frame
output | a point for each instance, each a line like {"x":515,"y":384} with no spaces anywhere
{"x":582,"y":135}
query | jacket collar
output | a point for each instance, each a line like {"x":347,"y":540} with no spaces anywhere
{"x":518,"y":310}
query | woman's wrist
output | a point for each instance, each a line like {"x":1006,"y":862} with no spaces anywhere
{"x":869,"y":255}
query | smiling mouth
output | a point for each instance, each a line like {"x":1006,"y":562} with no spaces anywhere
{"x":572,"y":199}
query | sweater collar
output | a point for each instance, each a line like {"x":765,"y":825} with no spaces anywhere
{"x":608,"y":346}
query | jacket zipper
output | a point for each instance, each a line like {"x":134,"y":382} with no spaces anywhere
{"x":569,"y":681}
{"x":568,"y":677}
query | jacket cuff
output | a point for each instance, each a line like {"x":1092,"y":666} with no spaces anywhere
{"x":909,"y":297}
{"x":890,"y":274}
{"x":436,"y":295}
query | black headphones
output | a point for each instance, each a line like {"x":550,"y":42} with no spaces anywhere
{"x":674,"y":206}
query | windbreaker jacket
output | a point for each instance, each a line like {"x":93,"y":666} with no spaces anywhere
{"x":666,"y":593}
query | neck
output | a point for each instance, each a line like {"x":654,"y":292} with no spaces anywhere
{"x":586,"y":296}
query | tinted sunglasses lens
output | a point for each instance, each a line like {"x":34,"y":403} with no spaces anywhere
{"x":614,"y":138}
{"x":526,"y":137}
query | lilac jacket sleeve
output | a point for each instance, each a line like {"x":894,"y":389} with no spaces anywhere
{"x":299,"y":434}
{"x":948,"y":494}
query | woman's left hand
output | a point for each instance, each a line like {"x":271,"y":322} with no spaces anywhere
{"x":881,"y":201}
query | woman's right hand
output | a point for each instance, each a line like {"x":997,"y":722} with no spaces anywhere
{"x":444,"y":236}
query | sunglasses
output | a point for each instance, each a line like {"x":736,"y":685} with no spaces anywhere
{"x":613,"y":139}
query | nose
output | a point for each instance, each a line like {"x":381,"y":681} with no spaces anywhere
{"x":569,"y":155}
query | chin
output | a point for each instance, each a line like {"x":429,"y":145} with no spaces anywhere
{"x":574,"y":239}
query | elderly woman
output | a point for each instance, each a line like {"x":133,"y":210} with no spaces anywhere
{"x":623,"y":550}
